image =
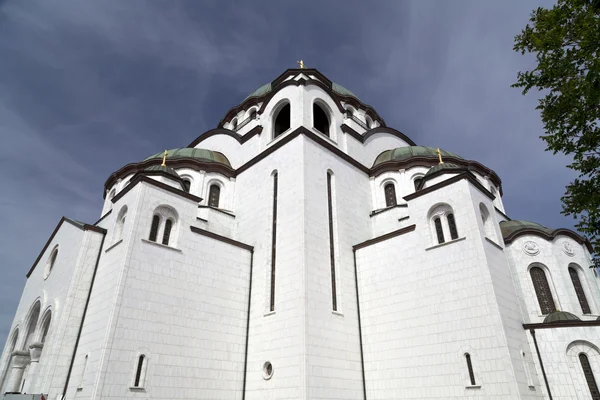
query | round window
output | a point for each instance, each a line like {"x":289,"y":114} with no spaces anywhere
{"x":267,"y":370}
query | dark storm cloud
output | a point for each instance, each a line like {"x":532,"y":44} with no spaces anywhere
{"x":88,"y":86}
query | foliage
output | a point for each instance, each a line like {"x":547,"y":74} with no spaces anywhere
{"x":566,"y":43}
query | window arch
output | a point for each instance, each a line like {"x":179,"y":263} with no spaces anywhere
{"x":13,"y":339}
{"x":390,"y":194}
{"x":120,"y":224}
{"x":368,"y":122}
{"x":542,"y":290}
{"x":253,"y":114}
{"x":584,"y":357}
{"x":164,"y":224}
{"x":443,"y":223}
{"x":31,"y":325}
{"x":51,"y":262}
{"x":417,"y":182}
{"x":470,"y":369}
{"x":320,"y":119}
{"x":214,"y":195}
{"x":45,"y":327}
{"x":579,"y":291}
{"x":110,"y":197}
{"x":140,"y":371}
{"x":282,"y":120}
{"x":488,"y":225}
{"x":154,"y":228}
{"x":234,"y":124}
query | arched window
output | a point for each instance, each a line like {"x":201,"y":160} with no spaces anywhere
{"x":167,"y":233}
{"x":187,"y":184}
{"x":470,"y":369}
{"x":369,"y":122}
{"x":542,"y":290}
{"x":234,"y":124}
{"x":51,"y":262}
{"x":488,"y":226}
{"x":452,"y":227}
{"x":31,"y":325}
{"x":589,"y":376}
{"x":390,"y":195}
{"x":438,"y":230}
{"x":120,"y":224}
{"x":140,"y":371}
{"x":282,"y":121}
{"x":585,"y":307}
{"x":214,"y":193}
{"x":273,"y":243}
{"x":320,"y":119}
{"x":154,"y":228}
{"x":45,"y":327}
{"x":253,"y":115}
{"x":417,"y":182}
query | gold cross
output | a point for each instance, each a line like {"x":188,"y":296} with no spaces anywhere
{"x":164,"y":164}
{"x":301,"y":64}
{"x":439,"y":153}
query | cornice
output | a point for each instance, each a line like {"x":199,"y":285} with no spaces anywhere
{"x":548,"y":236}
{"x":143,"y":178}
{"x":257,"y":130}
{"x":465,"y":175}
{"x":380,"y":129}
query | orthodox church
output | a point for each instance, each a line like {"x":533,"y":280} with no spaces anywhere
{"x":303,"y":249}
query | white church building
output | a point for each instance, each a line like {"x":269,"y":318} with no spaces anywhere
{"x":303,"y":250}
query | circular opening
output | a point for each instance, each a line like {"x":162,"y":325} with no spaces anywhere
{"x":50,"y":262}
{"x":267,"y":370}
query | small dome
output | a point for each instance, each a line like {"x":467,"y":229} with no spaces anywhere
{"x":560,"y":316}
{"x":199,"y":154}
{"x":406,"y":152}
{"x":509,"y":227}
{"x":162,"y":168}
{"x":443,"y":167}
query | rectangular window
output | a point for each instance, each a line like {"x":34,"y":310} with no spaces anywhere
{"x":273,"y":243}
{"x":331,"y":240}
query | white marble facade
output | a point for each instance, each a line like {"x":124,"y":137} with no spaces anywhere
{"x":304,"y":250}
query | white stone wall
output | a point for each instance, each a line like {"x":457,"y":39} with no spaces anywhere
{"x":424,"y":306}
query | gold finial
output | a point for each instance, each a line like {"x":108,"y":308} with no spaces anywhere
{"x":301,"y":64}
{"x":439,"y":153}
{"x":164,"y":164}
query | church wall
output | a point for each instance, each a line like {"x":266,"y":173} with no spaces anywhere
{"x":51,"y":293}
{"x":423,"y":306}
{"x":276,"y":336}
{"x":183,"y":306}
{"x":555,"y":263}
{"x":507,"y":303}
{"x":560,"y":349}
{"x":333,"y":350}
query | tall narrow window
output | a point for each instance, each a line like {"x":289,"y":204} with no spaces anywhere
{"x":154,"y":228}
{"x":390,"y":195}
{"x":138,"y":373}
{"x":417,"y":183}
{"x":542,"y":290}
{"x":234,"y":124}
{"x":320,"y":120}
{"x":253,"y":115}
{"x":282,"y":122}
{"x":213,"y":196}
{"x":589,"y":376}
{"x":585,"y":307}
{"x":452,"y":227}
{"x":273,"y":243}
{"x":167,"y":233}
{"x":331,"y":242}
{"x":438,"y":230}
{"x":470,"y":368}
{"x":45,"y":328}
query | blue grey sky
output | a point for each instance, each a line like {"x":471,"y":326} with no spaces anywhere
{"x":87,"y":86}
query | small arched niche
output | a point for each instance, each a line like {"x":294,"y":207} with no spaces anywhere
{"x":282,"y":120}
{"x":320,"y":119}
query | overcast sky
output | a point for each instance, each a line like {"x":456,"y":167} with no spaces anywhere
{"x":87,"y":86}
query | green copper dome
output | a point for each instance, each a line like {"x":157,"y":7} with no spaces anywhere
{"x":160,"y":168}
{"x":509,"y":227}
{"x":265,"y":89}
{"x":560,"y":316}
{"x":199,"y":154}
{"x":443,"y":167}
{"x":404,"y":153}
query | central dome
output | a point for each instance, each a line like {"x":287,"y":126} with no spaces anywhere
{"x":266,"y":89}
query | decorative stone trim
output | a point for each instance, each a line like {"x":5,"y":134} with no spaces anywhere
{"x":161,"y":245}
{"x":113,"y":246}
{"x":445,"y":243}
